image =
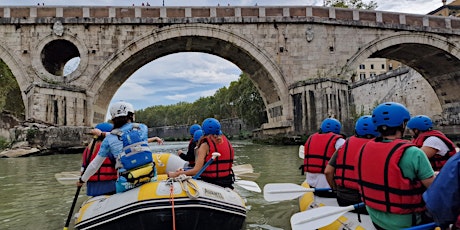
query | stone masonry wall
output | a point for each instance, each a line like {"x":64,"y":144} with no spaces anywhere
{"x":404,"y":85}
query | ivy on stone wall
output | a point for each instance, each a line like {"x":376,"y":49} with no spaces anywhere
{"x":10,"y":95}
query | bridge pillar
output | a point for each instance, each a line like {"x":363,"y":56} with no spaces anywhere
{"x":317,"y":99}
{"x":57,"y":104}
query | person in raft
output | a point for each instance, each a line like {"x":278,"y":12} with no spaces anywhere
{"x":103,"y":181}
{"x":434,"y":143}
{"x":318,"y":150}
{"x":219,"y":172}
{"x":113,"y":145}
{"x":340,"y":171}
{"x":190,"y":154}
{"x":392,"y":172}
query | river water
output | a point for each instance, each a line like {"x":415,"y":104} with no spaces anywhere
{"x":31,"y":198}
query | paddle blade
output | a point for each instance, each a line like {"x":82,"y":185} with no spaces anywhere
{"x":240,"y":169}
{"x":248,"y":176}
{"x":284,"y":191}
{"x":67,"y":178}
{"x":248,"y":185}
{"x":318,"y":217}
{"x":301,"y":152}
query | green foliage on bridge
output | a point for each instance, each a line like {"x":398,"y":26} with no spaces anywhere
{"x":10,"y":95}
{"x":354,"y":4}
{"x":240,"y":100}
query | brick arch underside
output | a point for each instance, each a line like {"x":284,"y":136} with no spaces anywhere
{"x":434,"y":57}
{"x":262,"y":78}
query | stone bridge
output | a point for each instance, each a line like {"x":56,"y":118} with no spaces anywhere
{"x":301,"y":58}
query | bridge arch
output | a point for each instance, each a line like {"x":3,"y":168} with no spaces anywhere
{"x":17,"y":69}
{"x":435,"y":57}
{"x":210,"y":39}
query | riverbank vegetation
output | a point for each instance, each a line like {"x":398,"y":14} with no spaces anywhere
{"x":239,"y":100}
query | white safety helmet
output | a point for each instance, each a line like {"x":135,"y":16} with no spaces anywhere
{"x":121,"y":108}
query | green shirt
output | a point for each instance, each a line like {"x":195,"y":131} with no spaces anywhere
{"x":414,"y":165}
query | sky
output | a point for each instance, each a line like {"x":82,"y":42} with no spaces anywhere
{"x":185,"y":77}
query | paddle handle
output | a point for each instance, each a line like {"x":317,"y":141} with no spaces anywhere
{"x":428,"y":226}
{"x":359,"y":205}
{"x":322,"y":189}
{"x":69,"y":217}
{"x":214,"y":156}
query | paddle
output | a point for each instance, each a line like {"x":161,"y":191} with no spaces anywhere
{"x":428,"y":226}
{"x":286,"y":191}
{"x":75,"y":198}
{"x":67,"y":178}
{"x":248,"y":185}
{"x":247,"y":176}
{"x":244,"y":168}
{"x":214,"y":156}
{"x":301,"y":152}
{"x":319,"y":217}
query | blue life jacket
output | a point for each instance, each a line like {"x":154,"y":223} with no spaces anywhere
{"x":135,"y":163}
{"x":136,"y":152}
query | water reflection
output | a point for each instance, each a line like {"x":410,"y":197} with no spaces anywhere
{"x":31,"y":198}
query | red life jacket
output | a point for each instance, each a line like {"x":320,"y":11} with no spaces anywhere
{"x":345,"y":173}
{"x":318,"y":150}
{"x":107,"y":171}
{"x":437,"y":161}
{"x":381,"y":182}
{"x":221,"y":166}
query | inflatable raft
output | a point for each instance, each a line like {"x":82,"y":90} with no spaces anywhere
{"x":179,"y":203}
{"x":347,"y":221}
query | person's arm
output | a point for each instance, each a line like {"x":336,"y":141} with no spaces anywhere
{"x":428,"y":181}
{"x":95,"y":164}
{"x":91,"y":170}
{"x":330,"y":171}
{"x":417,"y":162}
{"x":201,"y":155}
{"x":155,"y":139}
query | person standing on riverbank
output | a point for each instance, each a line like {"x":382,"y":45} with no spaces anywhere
{"x":103,"y":181}
{"x":393,"y":173}
{"x":122,"y":116}
{"x":434,"y":143}
{"x":219,"y":172}
{"x":318,"y":150}
{"x":341,"y":169}
{"x":190,"y":155}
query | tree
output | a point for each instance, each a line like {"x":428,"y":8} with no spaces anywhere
{"x":354,"y":4}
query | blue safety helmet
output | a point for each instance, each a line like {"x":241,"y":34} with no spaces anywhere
{"x":364,"y":126}
{"x":104,"y":127}
{"x":197,"y":135}
{"x":390,"y":114}
{"x":331,"y":125}
{"x":211,"y":126}
{"x":420,"y":122}
{"x":194,"y":128}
